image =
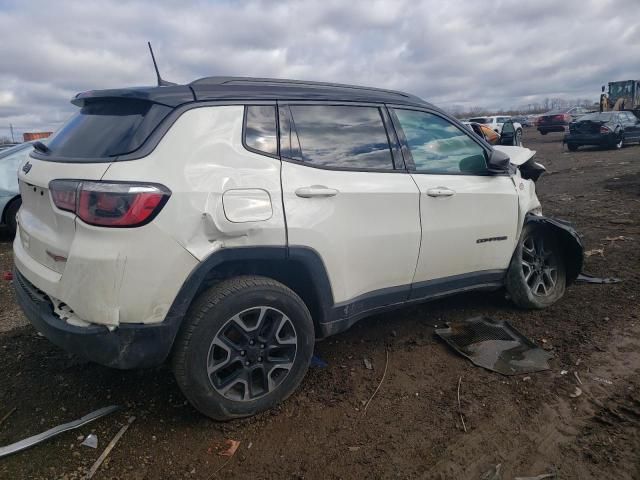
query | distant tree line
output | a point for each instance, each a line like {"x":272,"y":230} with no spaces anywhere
{"x":530,"y":108}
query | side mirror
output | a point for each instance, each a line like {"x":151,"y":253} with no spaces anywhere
{"x":498,"y":162}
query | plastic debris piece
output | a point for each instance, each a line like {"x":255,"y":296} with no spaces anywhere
{"x":495,"y":345}
{"x":232,"y":446}
{"x":52,"y":432}
{"x":576,"y":393}
{"x":8,"y":276}
{"x":601,"y":380}
{"x":112,"y":443}
{"x":367,"y":364}
{"x":317,"y":362}
{"x":564,"y":372}
{"x":494,"y":473}
{"x":586,"y":278}
{"x":538,"y":477}
{"x":91,"y":441}
{"x":595,"y":251}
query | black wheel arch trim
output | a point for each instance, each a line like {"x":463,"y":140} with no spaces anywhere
{"x":569,"y":239}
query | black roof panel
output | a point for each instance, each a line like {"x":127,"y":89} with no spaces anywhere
{"x":247,"y":88}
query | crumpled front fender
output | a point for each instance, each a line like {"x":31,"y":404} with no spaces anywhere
{"x":569,"y":241}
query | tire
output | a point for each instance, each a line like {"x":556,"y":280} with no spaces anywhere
{"x":219,"y":370}
{"x":10,"y":215}
{"x":572,"y":147}
{"x":619,"y":144}
{"x":543,"y":132}
{"x":538,"y":257}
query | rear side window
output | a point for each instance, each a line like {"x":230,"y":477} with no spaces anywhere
{"x":260,"y":131}
{"x":107,"y":128}
{"x":342,"y":136}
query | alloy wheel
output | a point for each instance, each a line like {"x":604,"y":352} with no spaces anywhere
{"x":252,"y":353}
{"x":539,"y":266}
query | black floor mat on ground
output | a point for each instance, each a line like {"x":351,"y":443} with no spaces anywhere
{"x":496,"y":346}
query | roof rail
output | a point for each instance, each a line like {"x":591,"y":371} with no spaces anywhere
{"x":220,"y":80}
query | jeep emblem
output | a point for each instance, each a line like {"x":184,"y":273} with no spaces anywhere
{"x":26,"y":167}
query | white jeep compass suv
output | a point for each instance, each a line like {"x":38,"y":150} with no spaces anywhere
{"x":229,"y":223}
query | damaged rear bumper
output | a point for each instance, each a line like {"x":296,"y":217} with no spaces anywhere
{"x":128,"y":346}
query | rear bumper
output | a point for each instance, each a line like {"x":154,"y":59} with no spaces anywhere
{"x":128,"y":346}
{"x":591,"y":139}
{"x":552,"y":128}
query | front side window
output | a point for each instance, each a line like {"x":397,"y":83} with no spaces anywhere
{"x":342,"y":136}
{"x":260,"y":132}
{"x":438,"y":146}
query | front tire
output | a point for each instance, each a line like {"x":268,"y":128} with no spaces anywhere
{"x":245,"y":346}
{"x":619,"y":143}
{"x":536,"y":277}
{"x":572,"y":147}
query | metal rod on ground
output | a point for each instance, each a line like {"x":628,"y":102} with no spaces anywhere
{"x":460,"y":407}
{"x":384,"y":374}
{"x":7,"y":415}
{"x":107,"y":450}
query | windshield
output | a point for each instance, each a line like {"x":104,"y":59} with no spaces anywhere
{"x":503,"y":119}
{"x":598,"y":117}
{"x":106,"y":128}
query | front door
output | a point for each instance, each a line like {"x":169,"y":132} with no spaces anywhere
{"x":469,"y":218}
{"x":345,"y":198}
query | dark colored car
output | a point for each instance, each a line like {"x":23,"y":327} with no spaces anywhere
{"x":606,"y":129}
{"x":559,"y":120}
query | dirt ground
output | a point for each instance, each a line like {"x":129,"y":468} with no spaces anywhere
{"x":527,"y":424}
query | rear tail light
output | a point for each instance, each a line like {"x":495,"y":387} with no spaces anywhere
{"x":108,"y":204}
{"x":604,"y":129}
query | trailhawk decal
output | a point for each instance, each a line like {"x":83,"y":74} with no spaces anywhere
{"x":491,"y":239}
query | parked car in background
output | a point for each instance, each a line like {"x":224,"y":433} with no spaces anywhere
{"x":10,"y":159}
{"x":4,"y":146}
{"x":607,"y":129}
{"x":523,"y":120}
{"x":559,"y":120}
{"x":495,"y":122}
{"x":485,"y":132}
{"x":510,"y":135}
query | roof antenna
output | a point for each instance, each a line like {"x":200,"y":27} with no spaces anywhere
{"x":161,"y":82}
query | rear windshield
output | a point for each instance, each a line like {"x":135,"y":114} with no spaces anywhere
{"x":480,"y":120}
{"x":106,"y":128}
{"x":598,"y":117}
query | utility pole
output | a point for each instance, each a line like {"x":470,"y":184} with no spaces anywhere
{"x":11,"y":128}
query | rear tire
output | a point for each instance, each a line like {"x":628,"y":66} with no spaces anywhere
{"x":10,"y":215}
{"x":619,"y":143}
{"x":572,"y":147}
{"x":543,"y":133}
{"x":537,"y":275}
{"x":245,"y":346}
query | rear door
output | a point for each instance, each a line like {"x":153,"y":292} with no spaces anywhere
{"x":631,"y":125}
{"x":348,"y":196}
{"x":469,"y":218}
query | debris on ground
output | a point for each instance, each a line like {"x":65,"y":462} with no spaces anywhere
{"x":105,"y":454}
{"x":384,"y":374}
{"x":8,"y":276}
{"x":601,"y":380}
{"x":317,"y":362}
{"x":586,"y":278}
{"x":7,"y":415}
{"x":494,"y":473}
{"x":619,"y":238}
{"x":52,"y":432}
{"x":494,"y":345}
{"x":594,"y":251}
{"x":576,"y":393}
{"x":367,"y":364}
{"x":231,"y":447}
{"x":91,"y":441}
{"x":538,"y":477}
{"x":621,"y":221}
{"x":464,"y":426}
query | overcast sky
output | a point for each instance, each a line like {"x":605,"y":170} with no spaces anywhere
{"x":493,"y":53}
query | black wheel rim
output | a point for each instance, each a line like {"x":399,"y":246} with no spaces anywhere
{"x":252,"y":354}
{"x":539,"y":266}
